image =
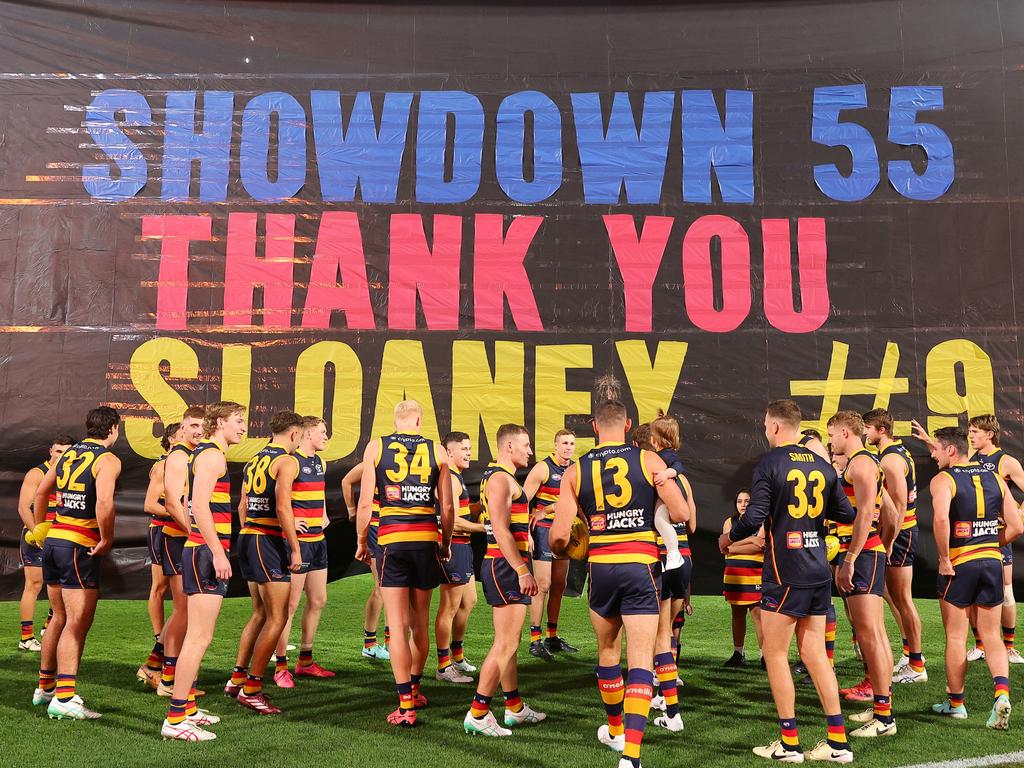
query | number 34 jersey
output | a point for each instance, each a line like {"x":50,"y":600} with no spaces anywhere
{"x":407,"y":472}
{"x":792,"y":493}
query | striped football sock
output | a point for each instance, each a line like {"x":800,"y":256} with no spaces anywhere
{"x":552,"y":629}
{"x":956,"y":699}
{"x":513,"y":701}
{"x":665,"y":669}
{"x":238,"y":675}
{"x":66,"y":687}
{"x":155,"y":661}
{"x":481,"y":705}
{"x":636,"y":706}
{"x":444,"y":659}
{"x":611,"y":686}
{"x":305,"y":656}
{"x":1000,"y":684}
{"x":47,"y":679}
{"x":369,"y":638}
{"x":167,"y":672}
{"x":406,"y":701}
{"x":790,"y":738}
{"x":280,"y":663}
{"x":883,"y":708}
{"x":176,"y":712}
{"x":27,"y":630}
{"x":191,"y":708}
{"x":836,"y":732}
{"x":535,"y":633}
{"x":1008,"y":636}
{"x":457,"y":653}
{"x":253,"y":685}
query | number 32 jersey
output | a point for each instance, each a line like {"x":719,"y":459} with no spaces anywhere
{"x":792,"y":493}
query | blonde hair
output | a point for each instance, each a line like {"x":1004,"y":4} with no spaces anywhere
{"x":223,"y":409}
{"x":852,"y":420}
{"x":564,"y":433}
{"x":312,"y":422}
{"x":406,"y":409}
{"x":665,"y":431}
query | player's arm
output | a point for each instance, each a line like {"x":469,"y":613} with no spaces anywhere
{"x":757,"y":511}
{"x":567,"y":508}
{"x":942,"y":497}
{"x":243,"y":508}
{"x":27,"y":495}
{"x":367,"y":484}
{"x":175,"y":478}
{"x":862,"y":472}
{"x":207,"y":467}
{"x":894,"y":469}
{"x":348,"y":490}
{"x":673,"y":468}
{"x":499,"y":508}
{"x":1010,"y":515}
{"x":152,"y":505}
{"x":889,"y":521}
{"x":669,"y":493}
{"x":462,"y":524}
{"x":444,"y":497}
{"x":284,"y":470}
{"x":107,"y":472}
{"x":1011,"y":471}
{"x":537,"y":476}
{"x":43,"y":491}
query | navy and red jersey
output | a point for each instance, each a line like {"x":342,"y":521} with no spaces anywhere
{"x":51,"y":501}
{"x":157,"y":521}
{"x":220,"y":501}
{"x":974,"y":513}
{"x":309,"y":497}
{"x":672,"y":461}
{"x":845,"y":532}
{"x":519,"y":515}
{"x":616,"y":493}
{"x":547,"y":494}
{"x":75,"y":515}
{"x":461,"y":507}
{"x":171,"y":527}
{"x":910,"y":472}
{"x":792,"y":493}
{"x":407,"y":470}
{"x":260,"y":489}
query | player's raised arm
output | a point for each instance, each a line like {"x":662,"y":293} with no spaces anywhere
{"x":922,"y":434}
{"x":566,"y":509}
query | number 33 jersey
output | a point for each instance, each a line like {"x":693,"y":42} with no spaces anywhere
{"x":792,"y":493}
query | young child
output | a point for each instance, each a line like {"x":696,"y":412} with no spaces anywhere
{"x":665,"y":441}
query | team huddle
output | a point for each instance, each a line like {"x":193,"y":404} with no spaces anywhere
{"x":815,"y":516}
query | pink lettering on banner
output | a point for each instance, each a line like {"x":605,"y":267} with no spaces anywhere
{"x":639,"y":259}
{"x":499,"y":274}
{"x":698,"y":275}
{"x":175,"y":233}
{"x":812,"y":258}
{"x":243,"y":271}
{"x":339,"y":250}
{"x":432,"y":273}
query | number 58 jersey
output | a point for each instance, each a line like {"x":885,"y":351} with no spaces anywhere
{"x":793,"y":492}
{"x":407,"y":472}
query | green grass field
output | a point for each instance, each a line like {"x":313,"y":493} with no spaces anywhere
{"x":340,"y":722}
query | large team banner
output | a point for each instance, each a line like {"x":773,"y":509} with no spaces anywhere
{"x":488,"y":208}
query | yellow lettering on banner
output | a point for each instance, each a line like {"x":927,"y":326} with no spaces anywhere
{"x":347,"y":404}
{"x":144,"y":370}
{"x":940,"y":377}
{"x":652,"y":384}
{"x":478,"y":397}
{"x":235,"y":380}
{"x":403,"y":376}
{"x":553,"y":401}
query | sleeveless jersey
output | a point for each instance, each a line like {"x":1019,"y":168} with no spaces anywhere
{"x":792,"y":492}
{"x":407,"y":471}
{"x":157,"y":521}
{"x":261,"y":494}
{"x":519,"y":516}
{"x":51,"y":502}
{"x":220,"y":502}
{"x":308,"y":499}
{"x":990,"y":461}
{"x":741,"y":580}
{"x":75,"y":515}
{"x":910,"y":472}
{"x":461,"y":508}
{"x":974,"y":513}
{"x":547,"y":494}
{"x":845,"y":532}
{"x":682,"y":532}
{"x":616,"y":493}
{"x":171,"y":527}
